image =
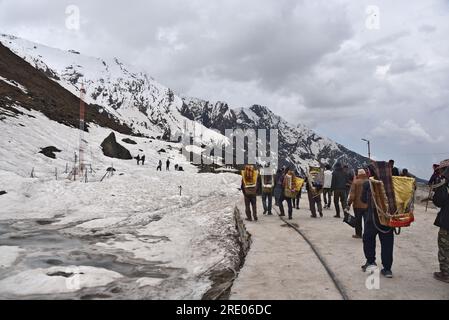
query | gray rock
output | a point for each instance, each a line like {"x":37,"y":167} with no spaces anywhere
{"x":112,"y":149}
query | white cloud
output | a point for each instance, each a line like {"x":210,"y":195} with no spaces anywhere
{"x":410,"y":133}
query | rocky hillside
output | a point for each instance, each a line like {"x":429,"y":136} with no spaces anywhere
{"x":297,"y":144}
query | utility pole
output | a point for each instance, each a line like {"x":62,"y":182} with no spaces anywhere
{"x":369,"y":147}
{"x":82,"y":126}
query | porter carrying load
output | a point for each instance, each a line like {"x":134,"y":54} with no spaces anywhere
{"x":249,"y":176}
{"x":393,"y":197}
{"x":293,"y":185}
{"x":267,"y":180}
{"x":315,"y":180}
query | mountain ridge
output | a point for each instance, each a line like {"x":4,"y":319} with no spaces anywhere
{"x":150,"y":109}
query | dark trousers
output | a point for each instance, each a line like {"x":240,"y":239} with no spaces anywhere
{"x":386,"y":243}
{"x":327,"y":196}
{"x":296,"y":201}
{"x":289,"y":204}
{"x":267,"y":201}
{"x":339,"y":197}
{"x":251,"y":202}
{"x":359,"y":221}
{"x":315,"y":203}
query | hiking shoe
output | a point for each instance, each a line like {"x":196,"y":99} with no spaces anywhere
{"x":270,"y":214}
{"x":282,"y":215}
{"x":338,"y":217}
{"x":290,"y":218}
{"x":313,"y":216}
{"x":297,"y":208}
{"x":356,"y":236}
{"x":256,"y":219}
{"x":247,"y":219}
{"x":441,"y":276}
{"x":321,"y":215}
{"x":264,"y":212}
{"x":369,"y":267}
{"x":387,"y":273}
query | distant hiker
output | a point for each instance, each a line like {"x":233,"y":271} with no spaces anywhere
{"x":168,"y":165}
{"x":355,"y":199}
{"x":314,"y":194}
{"x":373,"y":228}
{"x":176,"y":167}
{"x":286,"y":195}
{"x":436,"y":176}
{"x":349,"y":180}
{"x":143,"y":160}
{"x":267,"y":187}
{"x":394,"y":170}
{"x":405,"y":173}
{"x":138,"y":159}
{"x":327,"y":185}
{"x":159,"y":167}
{"x":338,"y":186}
{"x":249,"y":190}
{"x":441,"y":200}
{"x":278,"y":187}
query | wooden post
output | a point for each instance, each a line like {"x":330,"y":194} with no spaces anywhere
{"x":180,"y":190}
{"x":32,"y":173}
{"x":56,"y":173}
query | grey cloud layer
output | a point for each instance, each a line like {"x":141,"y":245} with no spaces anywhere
{"x":311,"y":61}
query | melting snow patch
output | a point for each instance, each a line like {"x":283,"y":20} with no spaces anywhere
{"x":14,"y":84}
{"x":56,"y":280}
{"x":8,"y":255}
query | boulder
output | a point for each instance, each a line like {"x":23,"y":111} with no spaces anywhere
{"x":162,"y":151}
{"x":112,"y":149}
{"x":129,"y":141}
{"x":3,"y":192}
{"x":49,"y":152}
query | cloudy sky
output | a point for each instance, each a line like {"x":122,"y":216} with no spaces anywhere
{"x":348,"y":69}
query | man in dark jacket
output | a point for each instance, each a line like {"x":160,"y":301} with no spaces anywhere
{"x":278,"y":187}
{"x":339,"y":180}
{"x":441,"y":200}
{"x":372,"y":229}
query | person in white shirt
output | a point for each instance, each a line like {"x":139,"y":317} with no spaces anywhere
{"x":327,"y":191}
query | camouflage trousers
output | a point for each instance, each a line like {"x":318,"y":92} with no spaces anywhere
{"x":443,"y":252}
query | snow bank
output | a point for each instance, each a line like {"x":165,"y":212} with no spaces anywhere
{"x":8,"y":255}
{"x":56,"y":280}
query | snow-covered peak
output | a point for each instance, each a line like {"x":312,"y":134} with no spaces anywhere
{"x":132,"y":96}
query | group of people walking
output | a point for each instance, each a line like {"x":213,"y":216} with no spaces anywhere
{"x":141,"y":159}
{"x":348,"y":190}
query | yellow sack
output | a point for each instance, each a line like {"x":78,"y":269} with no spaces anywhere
{"x":293,"y":186}
{"x":404,"y":189}
{"x":250,"y":181}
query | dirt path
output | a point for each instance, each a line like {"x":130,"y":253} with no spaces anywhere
{"x":280,"y":264}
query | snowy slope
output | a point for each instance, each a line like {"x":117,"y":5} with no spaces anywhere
{"x":146,"y":106}
{"x":131,"y":236}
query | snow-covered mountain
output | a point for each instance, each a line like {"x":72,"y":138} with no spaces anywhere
{"x":147,"y":107}
{"x":150,"y":109}
{"x":297,"y":144}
